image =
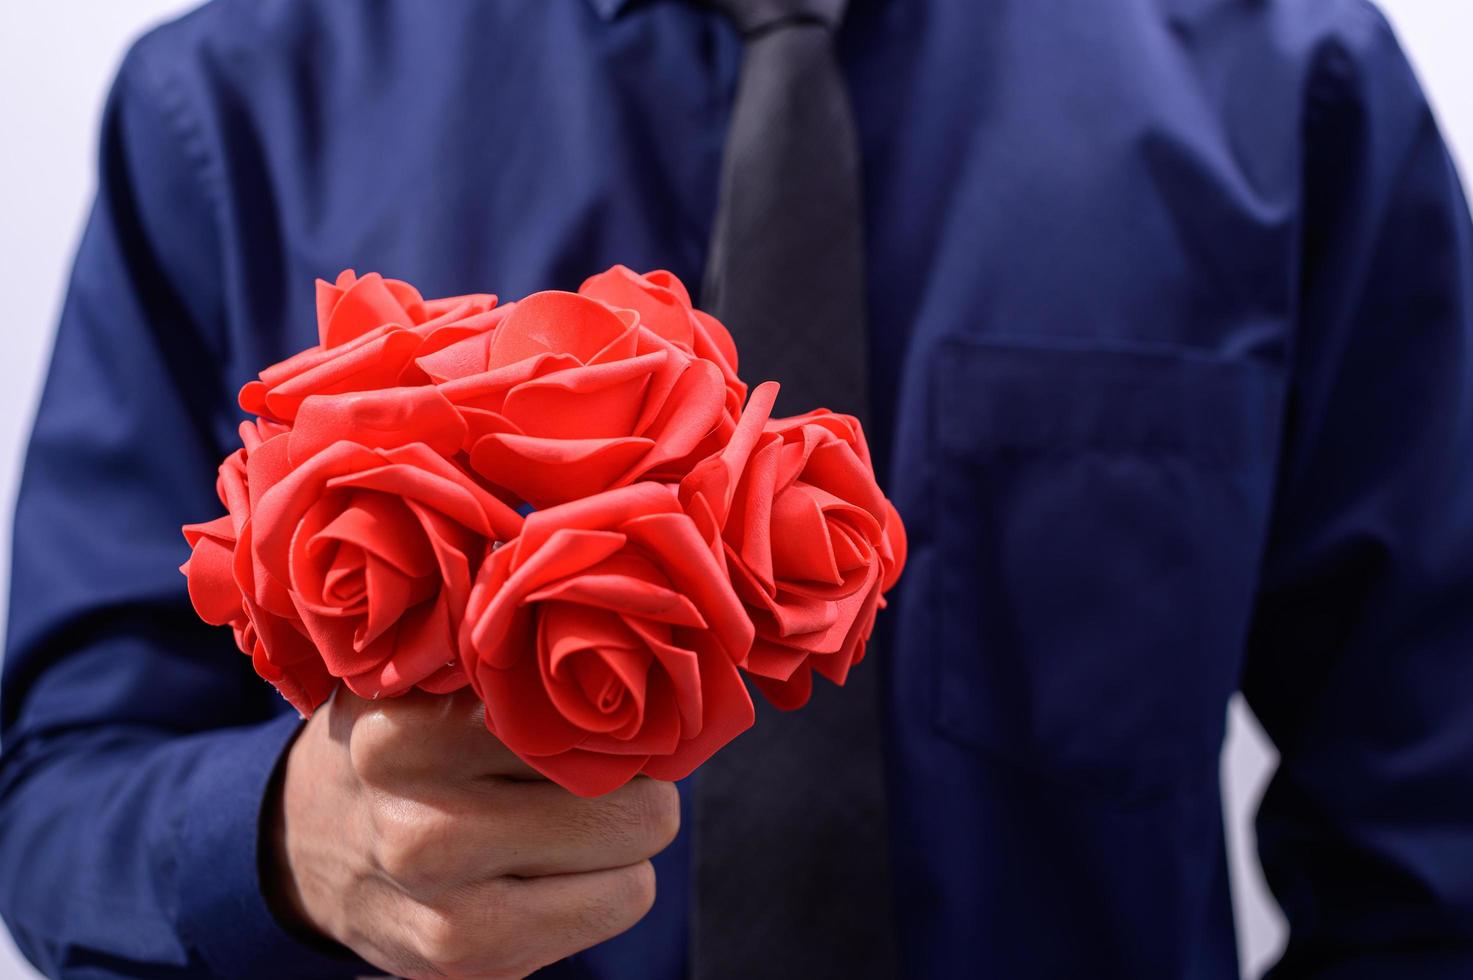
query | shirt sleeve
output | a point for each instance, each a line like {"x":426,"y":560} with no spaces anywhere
{"x":1360,"y":663}
{"x":138,"y":746}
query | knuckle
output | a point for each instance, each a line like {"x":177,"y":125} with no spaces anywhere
{"x":639,"y":887}
{"x":463,"y":937}
{"x":641,"y":817}
{"x":627,"y":896}
{"x":374,"y":745}
{"x":654,"y":812}
{"x":444,"y":941}
{"x":410,"y":845}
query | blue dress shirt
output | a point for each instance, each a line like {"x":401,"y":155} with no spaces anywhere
{"x":1172,"y":308}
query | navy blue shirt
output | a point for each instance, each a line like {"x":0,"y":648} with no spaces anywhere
{"x":1172,"y":308}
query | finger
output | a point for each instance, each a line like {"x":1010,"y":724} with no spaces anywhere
{"x":432,"y":847}
{"x":513,"y":926}
{"x":545,"y":830}
{"x":422,"y":736}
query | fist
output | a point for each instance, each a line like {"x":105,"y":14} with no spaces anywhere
{"x":406,"y":832}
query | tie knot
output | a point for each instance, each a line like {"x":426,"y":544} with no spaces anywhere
{"x":757,"y":16}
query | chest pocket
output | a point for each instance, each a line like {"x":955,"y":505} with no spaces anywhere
{"x":1100,"y":512}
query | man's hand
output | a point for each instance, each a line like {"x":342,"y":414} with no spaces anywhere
{"x":406,"y":832}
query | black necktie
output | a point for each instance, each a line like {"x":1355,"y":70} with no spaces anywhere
{"x":791,"y":861}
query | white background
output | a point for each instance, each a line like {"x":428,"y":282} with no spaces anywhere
{"x":56,"y":59}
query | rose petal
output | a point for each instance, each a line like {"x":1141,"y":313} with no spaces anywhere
{"x":309,"y":561}
{"x":624,"y":594}
{"x":546,"y":472}
{"x":836,"y":468}
{"x":674,"y":538}
{"x":580,"y":649}
{"x":518,"y":710}
{"x":566,"y":552}
{"x":788,"y":695}
{"x":345,"y":583}
{"x":789,"y":613}
{"x":446,"y":680}
{"x":312,"y":357}
{"x":895,"y":537}
{"x":683,"y":667}
{"x":687,"y":415}
{"x":555,"y":322}
{"x":289,"y":661}
{"x":597,"y":402}
{"x":465,"y":357}
{"x":776,"y":661}
{"x":333,"y":638}
{"x":455,"y":548}
{"x":751,"y":514}
{"x":659,"y":308}
{"x":601,"y":512}
{"x":488,"y":389}
{"x":356,"y":368}
{"x":366,"y":303}
{"x":423,"y":644}
{"x":723,"y":348}
{"x":416,"y":473}
{"x":444,"y":307}
{"x":389,"y":593}
{"x":587,"y":774}
{"x":727,"y":712}
{"x":659,"y":731}
{"x":380,"y":525}
{"x":448,"y":324}
{"x":379,"y":419}
{"x":209,"y":570}
{"x":716,"y":478}
{"x":800,"y":538}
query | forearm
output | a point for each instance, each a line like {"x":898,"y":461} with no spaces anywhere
{"x":1360,"y":665}
{"x":136,"y":850}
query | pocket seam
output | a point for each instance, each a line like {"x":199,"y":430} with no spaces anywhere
{"x":1143,"y":430}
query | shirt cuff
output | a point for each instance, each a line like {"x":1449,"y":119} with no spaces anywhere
{"x":223,"y":913}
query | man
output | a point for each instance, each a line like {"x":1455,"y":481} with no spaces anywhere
{"x":1170,"y":337}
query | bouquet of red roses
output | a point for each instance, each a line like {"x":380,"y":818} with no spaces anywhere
{"x":676,"y":539}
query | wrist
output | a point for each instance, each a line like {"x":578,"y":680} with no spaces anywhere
{"x":280,"y":883}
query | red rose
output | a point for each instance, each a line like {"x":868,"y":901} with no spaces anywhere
{"x":222,"y":583}
{"x":605,"y":642}
{"x":567,"y":398}
{"x":371,"y":330}
{"x":371,"y":544}
{"x":664,"y":306}
{"x":810,"y":542}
